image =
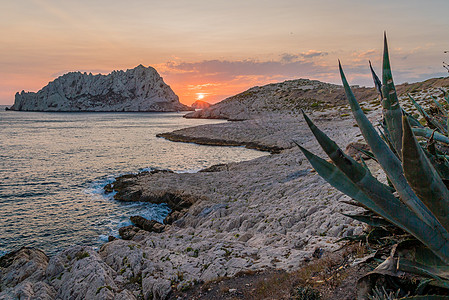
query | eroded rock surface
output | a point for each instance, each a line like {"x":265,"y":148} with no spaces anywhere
{"x":22,"y":275}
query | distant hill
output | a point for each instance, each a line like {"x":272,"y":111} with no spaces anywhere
{"x":293,"y":95}
{"x":138,"y":89}
{"x":200,"y":104}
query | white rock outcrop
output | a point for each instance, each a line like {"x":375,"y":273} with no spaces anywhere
{"x":138,"y":89}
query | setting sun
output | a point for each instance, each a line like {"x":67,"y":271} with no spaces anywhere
{"x":200,"y":96}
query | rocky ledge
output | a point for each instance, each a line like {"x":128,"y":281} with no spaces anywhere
{"x":138,"y":89}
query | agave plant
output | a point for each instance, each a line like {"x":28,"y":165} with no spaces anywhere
{"x":416,"y":172}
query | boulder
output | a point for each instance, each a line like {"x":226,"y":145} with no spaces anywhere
{"x":22,"y":273}
{"x":128,"y":232}
{"x":23,"y":264}
{"x":147,"y":225}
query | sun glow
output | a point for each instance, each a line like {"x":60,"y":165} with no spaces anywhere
{"x":200,"y":96}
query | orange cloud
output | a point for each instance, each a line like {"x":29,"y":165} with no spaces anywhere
{"x":218,"y":79}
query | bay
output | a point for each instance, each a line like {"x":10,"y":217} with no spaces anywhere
{"x":53,"y":167}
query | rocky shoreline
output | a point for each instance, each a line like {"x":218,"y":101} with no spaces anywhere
{"x":272,"y":212}
{"x":174,"y":137}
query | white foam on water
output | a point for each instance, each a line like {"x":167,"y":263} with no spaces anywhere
{"x":96,"y":188}
{"x":124,"y":210}
{"x":192,"y":171}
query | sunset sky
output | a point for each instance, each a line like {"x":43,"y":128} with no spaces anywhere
{"x":214,"y":49}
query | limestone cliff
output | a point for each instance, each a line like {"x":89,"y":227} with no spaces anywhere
{"x":138,"y":89}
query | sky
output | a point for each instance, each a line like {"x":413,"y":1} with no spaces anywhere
{"x":209,"y":50}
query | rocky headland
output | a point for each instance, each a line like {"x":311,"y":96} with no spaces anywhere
{"x":273,"y":212}
{"x":200,"y":104}
{"x":134,"y":90}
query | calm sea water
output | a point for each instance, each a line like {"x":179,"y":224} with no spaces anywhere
{"x":53,"y":167}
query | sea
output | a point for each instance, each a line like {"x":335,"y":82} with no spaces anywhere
{"x":53,"y":167}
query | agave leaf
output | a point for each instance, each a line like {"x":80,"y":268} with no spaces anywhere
{"x":423,"y":177}
{"x":445,"y":95}
{"x":377,"y":197}
{"x":352,"y":169}
{"x":366,"y":152}
{"x":370,"y":220}
{"x":420,"y":109}
{"x":353,"y":203}
{"x":376,"y":80}
{"x":441,"y":166}
{"x":440,"y":107}
{"x":427,"y":132}
{"x":386,"y":137}
{"x":386,"y":158}
{"x":414,"y":267}
{"x":391,"y":109}
{"x":412,"y":249}
{"x":426,"y":297}
{"x":430,"y":120}
{"x":362,"y":161}
{"x":447,"y":123}
{"x":413,"y":121}
{"x":339,"y":180}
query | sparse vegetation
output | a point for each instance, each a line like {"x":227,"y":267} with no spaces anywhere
{"x":81,"y":255}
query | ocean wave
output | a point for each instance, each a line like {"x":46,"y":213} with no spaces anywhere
{"x":96,"y":188}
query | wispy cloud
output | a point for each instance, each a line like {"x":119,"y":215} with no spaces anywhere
{"x":287,"y":66}
{"x":288,"y":57}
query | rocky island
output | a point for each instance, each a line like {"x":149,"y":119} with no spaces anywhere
{"x":134,"y":90}
{"x":200,"y":104}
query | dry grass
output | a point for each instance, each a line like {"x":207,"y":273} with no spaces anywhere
{"x":324,"y":275}
{"x":331,"y":276}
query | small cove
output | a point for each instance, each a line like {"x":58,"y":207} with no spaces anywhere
{"x":53,"y":167}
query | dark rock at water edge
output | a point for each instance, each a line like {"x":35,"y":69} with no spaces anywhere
{"x":216,"y":168}
{"x":174,"y":216}
{"x":128,"y":232}
{"x":128,"y":191}
{"x":174,"y":137}
{"x":147,"y":225}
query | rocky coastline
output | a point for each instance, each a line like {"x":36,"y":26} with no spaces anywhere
{"x":270,"y":213}
{"x":273,"y":212}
